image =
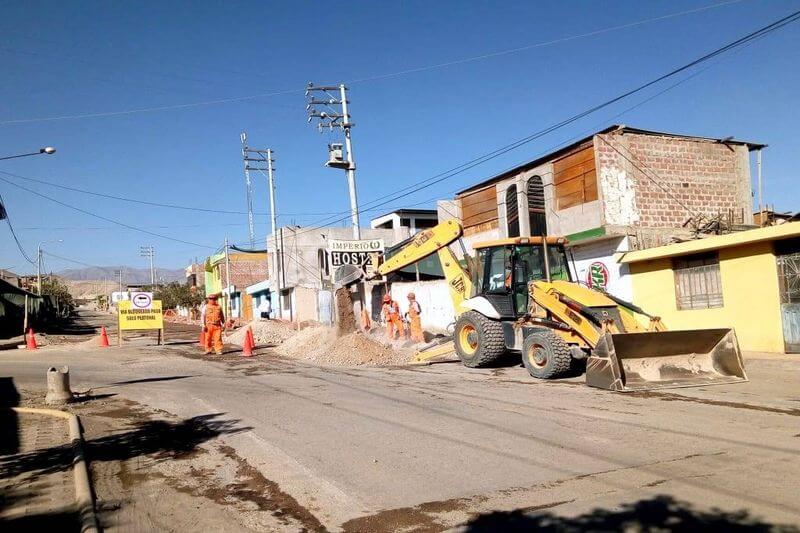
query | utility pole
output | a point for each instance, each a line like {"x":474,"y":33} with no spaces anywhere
{"x":337,"y":118}
{"x":39,"y":262}
{"x":760,"y":197}
{"x":149,"y":252}
{"x":119,"y":273}
{"x":228,"y":280}
{"x":260,"y":157}
{"x":39,"y":269}
{"x":249,"y":185}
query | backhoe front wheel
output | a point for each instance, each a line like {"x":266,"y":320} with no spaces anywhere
{"x":479,"y":340}
{"x":546,"y":355}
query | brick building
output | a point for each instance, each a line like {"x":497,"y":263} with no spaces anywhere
{"x":619,"y":189}
{"x":243,"y":270}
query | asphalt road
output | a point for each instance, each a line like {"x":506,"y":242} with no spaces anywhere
{"x":445,"y":446}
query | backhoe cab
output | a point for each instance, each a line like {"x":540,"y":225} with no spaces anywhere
{"x":498,"y":313}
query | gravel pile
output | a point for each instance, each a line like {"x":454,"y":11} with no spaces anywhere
{"x":265,"y":333}
{"x":319,"y":344}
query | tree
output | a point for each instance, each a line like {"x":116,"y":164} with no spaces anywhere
{"x":177,"y":294}
{"x":53,"y":286}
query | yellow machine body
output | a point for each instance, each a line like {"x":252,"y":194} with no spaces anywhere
{"x":623,"y":354}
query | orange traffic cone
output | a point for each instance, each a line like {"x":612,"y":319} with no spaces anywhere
{"x":202,"y":338}
{"x":104,"y":338}
{"x":247,"y":348}
{"x":252,"y":339}
{"x":31,"y":340}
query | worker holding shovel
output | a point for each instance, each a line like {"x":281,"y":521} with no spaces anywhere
{"x":415,"y":323}
{"x":390,"y":313}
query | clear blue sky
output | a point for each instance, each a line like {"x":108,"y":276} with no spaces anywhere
{"x":77,"y":58}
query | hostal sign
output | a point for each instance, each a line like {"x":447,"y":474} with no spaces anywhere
{"x":356,"y":253}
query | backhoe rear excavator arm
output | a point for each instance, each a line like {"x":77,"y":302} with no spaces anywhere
{"x":427,"y":242}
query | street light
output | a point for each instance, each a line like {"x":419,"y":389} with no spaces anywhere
{"x":39,"y":262}
{"x":49,"y":150}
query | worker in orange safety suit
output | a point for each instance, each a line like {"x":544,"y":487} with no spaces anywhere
{"x":415,"y":324}
{"x":390,"y":313}
{"x":212,"y":320}
{"x":366,"y":323}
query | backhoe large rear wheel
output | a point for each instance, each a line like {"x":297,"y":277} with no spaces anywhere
{"x":546,"y":355}
{"x":479,"y":340}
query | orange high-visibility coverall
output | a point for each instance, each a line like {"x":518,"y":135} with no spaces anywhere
{"x":213,"y":319}
{"x":415,"y":323}
{"x":366,"y":323}
{"x":394,"y":324}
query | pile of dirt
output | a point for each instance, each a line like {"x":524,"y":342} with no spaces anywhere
{"x":178,"y":319}
{"x":21,"y":340}
{"x":346,"y":322}
{"x":265,"y":333}
{"x":322,"y":345}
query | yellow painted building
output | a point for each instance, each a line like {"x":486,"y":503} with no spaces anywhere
{"x":747,"y":280}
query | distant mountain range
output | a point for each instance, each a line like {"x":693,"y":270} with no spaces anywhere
{"x":129,"y":275}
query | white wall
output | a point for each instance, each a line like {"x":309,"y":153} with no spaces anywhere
{"x":600,"y":254}
{"x":433,"y":298}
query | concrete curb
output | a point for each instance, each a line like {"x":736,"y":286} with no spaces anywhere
{"x":83,"y":485}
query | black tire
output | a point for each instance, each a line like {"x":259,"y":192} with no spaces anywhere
{"x":479,"y":340}
{"x":546,"y":355}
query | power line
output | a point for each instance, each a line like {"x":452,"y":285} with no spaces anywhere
{"x":88,"y":228}
{"x":14,"y":233}
{"x":442,"y":176}
{"x":121,"y":198}
{"x":70,"y":260}
{"x":370,"y":78}
{"x":145,"y":202}
{"x":543,"y":44}
{"x":111,"y":220}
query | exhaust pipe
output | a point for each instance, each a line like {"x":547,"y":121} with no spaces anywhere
{"x":650,"y":360}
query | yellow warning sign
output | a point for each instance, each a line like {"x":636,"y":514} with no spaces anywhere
{"x":132,"y":317}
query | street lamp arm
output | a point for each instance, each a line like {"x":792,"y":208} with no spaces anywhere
{"x":46,"y":150}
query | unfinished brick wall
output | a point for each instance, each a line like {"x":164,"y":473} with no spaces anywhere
{"x":651,"y":181}
{"x":246,"y":273}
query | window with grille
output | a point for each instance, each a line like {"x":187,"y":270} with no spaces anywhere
{"x":536,"y":211}
{"x":512,"y":212}
{"x":697,"y":282}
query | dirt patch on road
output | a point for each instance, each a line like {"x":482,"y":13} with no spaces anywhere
{"x":267,"y":495}
{"x":153,"y":471}
{"x":424,"y":518}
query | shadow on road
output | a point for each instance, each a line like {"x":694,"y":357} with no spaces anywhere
{"x":74,"y":325}
{"x":148,"y":380}
{"x":660,"y":513}
{"x":66,"y":520}
{"x":159,"y":438}
{"x":9,"y":423}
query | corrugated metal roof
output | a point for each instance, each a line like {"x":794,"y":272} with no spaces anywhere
{"x":770,"y":233}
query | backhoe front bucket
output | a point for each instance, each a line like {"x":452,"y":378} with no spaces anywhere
{"x":664,"y":359}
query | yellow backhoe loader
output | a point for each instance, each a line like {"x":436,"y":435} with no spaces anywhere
{"x":517,"y":295}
